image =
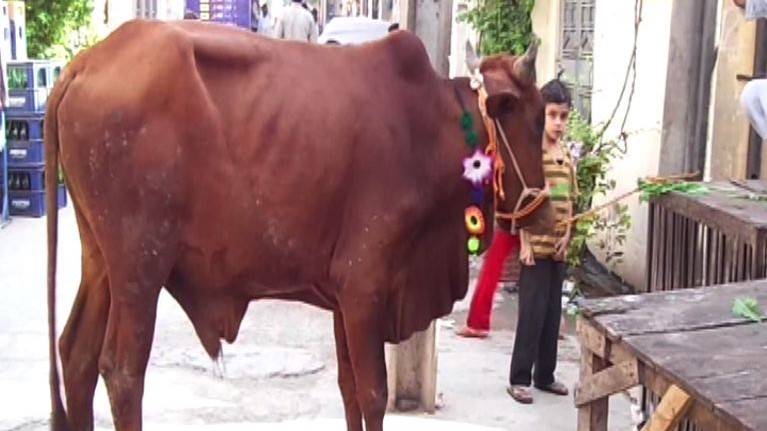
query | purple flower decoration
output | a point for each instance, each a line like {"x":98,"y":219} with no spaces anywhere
{"x":477,"y":168}
{"x":576,"y":151}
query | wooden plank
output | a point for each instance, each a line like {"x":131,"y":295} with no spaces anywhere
{"x":733,"y":386}
{"x":751,"y":414}
{"x":672,"y":408}
{"x":681,"y":310}
{"x":651,"y":245}
{"x":718,"y":367}
{"x":590,"y":338}
{"x":619,"y":377}
{"x":700,"y":414}
{"x":592,"y":416}
{"x":669,"y":251}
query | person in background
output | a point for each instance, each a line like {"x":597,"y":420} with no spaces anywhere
{"x":753,"y":99}
{"x":255,"y":16}
{"x":265,"y":22}
{"x":316,"y":16}
{"x":543,"y":260}
{"x":296,"y":23}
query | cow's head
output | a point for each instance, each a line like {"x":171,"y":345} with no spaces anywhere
{"x":515,"y":102}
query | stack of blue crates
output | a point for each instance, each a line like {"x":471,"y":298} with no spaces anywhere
{"x":30,"y":83}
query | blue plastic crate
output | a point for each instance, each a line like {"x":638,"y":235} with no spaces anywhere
{"x":24,"y":127}
{"x":26,"y":179}
{"x":26,"y":154}
{"x":32,"y":203}
{"x":27,"y":101}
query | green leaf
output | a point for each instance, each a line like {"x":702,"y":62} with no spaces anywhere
{"x":747,"y":308}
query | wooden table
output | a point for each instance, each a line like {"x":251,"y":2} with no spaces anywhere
{"x":686,"y":346}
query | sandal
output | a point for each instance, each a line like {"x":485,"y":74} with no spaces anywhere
{"x":521,"y":394}
{"x":469,"y":332}
{"x":556,"y":388}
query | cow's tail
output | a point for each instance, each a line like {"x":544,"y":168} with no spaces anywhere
{"x":59,"y":415}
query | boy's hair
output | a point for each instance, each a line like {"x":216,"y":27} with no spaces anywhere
{"x":555,"y":91}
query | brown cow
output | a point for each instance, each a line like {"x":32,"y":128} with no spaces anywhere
{"x":227,"y":167}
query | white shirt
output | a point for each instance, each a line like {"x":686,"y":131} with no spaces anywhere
{"x":265,"y":24}
{"x":756,"y":9}
{"x":296,"y":23}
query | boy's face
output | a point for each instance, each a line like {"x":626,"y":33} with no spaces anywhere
{"x":556,"y":120}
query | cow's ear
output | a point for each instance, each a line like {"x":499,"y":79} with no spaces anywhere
{"x":502,"y":94}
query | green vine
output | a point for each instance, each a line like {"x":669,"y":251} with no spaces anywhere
{"x":595,"y":157}
{"x":504,"y":26}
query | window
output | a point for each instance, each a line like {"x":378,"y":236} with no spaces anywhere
{"x":42,"y":78}
{"x":576,"y":54}
{"x":146,"y":9}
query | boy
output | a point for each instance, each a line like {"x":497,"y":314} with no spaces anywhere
{"x":543,"y":266}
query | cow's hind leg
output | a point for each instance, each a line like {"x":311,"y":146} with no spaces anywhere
{"x":346,"y":376}
{"x":134,"y":288}
{"x":83,"y":336}
{"x":364,"y":338}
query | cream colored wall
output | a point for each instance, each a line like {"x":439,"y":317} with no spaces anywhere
{"x":612,"y":50}
{"x":545,"y":19}
{"x":728,"y":131}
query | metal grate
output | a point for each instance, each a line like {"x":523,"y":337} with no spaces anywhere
{"x":576,"y":51}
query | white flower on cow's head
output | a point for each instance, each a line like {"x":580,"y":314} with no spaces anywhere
{"x":477,"y":168}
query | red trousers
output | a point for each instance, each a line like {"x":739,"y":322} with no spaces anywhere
{"x":504,"y":243}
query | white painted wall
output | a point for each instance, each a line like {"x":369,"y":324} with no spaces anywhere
{"x":612,"y":50}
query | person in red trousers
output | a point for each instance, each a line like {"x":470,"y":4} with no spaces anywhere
{"x":478,"y":321}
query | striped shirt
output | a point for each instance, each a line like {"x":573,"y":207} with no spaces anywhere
{"x":560,"y":177}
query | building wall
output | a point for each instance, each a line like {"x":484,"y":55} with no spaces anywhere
{"x":545,"y":19}
{"x":612,"y":51}
{"x":728,"y":132}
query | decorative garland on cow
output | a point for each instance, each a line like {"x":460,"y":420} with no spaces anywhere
{"x":478,"y":169}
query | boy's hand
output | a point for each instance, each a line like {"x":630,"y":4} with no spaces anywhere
{"x":561,"y":247}
{"x":526,"y":255}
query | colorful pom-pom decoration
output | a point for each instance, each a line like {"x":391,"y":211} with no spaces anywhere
{"x":478,"y":168}
{"x":473,"y":245}
{"x":475,"y":221}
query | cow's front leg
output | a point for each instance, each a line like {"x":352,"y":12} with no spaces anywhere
{"x":364,"y":337}
{"x":346,"y":376}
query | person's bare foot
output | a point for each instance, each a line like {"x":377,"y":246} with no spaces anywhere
{"x":469,"y":332}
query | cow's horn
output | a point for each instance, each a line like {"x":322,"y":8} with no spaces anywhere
{"x":472,"y":59}
{"x":524,"y":67}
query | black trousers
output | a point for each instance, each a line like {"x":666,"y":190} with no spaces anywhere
{"x":540,"y":312}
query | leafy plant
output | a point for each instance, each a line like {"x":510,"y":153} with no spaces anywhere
{"x":595,"y":156}
{"x":650,"y":190}
{"x":504,"y":26}
{"x":51,"y":26}
{"x":747,"y":308}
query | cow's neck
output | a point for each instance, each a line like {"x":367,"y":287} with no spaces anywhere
{"x":464,"y":100}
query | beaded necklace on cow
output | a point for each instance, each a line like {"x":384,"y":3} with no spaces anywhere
{"x":479,"y":166}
